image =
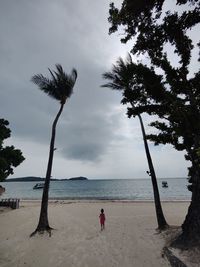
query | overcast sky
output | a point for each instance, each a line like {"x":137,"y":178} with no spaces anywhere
{"x":94,"y":137}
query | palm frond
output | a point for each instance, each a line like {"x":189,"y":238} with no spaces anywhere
{"x":43,"y":83}
{"x":53,"y":76}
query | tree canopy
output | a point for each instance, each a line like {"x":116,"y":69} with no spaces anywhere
{"x":163,"y":83}
{"x":161,"y":89}
{"x":9,"y":156}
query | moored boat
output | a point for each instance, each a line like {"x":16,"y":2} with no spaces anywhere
{"x":164,"y":184}
{"x":39,"y":186}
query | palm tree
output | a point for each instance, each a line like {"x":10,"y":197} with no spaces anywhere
{"x":121,"y":78}
{"x":59,"y":87}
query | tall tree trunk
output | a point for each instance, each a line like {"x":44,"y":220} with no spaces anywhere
{"x":162,"y":224}
{"x":190,"y":235}
{"x":191,"y":227}
{"x":43,"y":224}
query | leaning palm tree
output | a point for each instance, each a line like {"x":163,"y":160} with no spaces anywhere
{"x":121,"y":77}
{"x":60,"y":87}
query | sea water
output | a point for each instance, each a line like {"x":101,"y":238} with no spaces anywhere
{"x":116,"y":189}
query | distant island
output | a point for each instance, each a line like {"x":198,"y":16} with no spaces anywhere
{"x":40,"y":179}
{"x":80,"y":178}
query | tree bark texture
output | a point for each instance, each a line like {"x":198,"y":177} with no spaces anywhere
{"x":162,"y":224}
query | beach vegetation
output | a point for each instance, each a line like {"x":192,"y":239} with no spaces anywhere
{"x":9,"y":156}
{"x":166,"y":83}
{"x":59,"y":87}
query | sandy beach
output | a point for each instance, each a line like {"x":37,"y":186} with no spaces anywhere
{"x":129,"y":239}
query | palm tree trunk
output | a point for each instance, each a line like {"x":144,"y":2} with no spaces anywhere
{"x":162,"y":224}
{"x":43,"y":224}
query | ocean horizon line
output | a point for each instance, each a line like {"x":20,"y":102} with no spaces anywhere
{"x":92,"y":179}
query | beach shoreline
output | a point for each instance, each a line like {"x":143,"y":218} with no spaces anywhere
{"x":97,"y":200}
{"x":130,"y":238}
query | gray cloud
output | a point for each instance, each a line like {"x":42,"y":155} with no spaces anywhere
{"x":89,"y":138}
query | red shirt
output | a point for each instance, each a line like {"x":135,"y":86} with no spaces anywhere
{"x":102,"y":218}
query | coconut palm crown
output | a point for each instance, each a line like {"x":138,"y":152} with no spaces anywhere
{"x":60,"y":86}
{"x":121,"y":75}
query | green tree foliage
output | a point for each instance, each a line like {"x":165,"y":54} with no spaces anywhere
{"x":171,"y":93}
{"x":9,"y":156}
{"x":59,"y":87}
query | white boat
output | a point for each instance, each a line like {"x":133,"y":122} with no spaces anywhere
{"x":39,"y":186}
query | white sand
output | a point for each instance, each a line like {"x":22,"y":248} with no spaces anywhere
{"x":130,"y":238}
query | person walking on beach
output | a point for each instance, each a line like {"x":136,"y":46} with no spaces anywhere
{"x":102,"y":218}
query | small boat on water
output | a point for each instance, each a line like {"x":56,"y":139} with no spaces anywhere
{"x":39,"y":186}
{"x":164,"y":184}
